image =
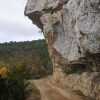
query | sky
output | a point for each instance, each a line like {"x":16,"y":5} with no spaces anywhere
{"x":14,"y":26}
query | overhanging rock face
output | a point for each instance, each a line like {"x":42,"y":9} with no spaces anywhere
{"x":71,"y":28}
{"x":73,"y":25}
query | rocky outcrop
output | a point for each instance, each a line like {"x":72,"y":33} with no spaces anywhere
{"x":72,"y":30}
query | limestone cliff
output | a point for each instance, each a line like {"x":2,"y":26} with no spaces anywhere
{"x":72,"y":30}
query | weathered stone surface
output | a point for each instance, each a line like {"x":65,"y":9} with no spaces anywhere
{"x":74,"y":25}
{"x":72,"y":31}
{"x":87,"y":83}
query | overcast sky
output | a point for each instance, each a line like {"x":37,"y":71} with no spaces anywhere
{"x":14,"y":26}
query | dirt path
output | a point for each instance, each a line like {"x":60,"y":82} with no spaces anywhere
{"x":51,"y":92}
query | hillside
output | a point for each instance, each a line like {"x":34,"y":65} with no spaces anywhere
{"x":32,"y":53}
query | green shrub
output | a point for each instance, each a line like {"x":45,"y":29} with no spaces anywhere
{"x":75,"y":68}
{"x":13,"y":86}
{"x":4,"y":94}
{"x":16,"y":83}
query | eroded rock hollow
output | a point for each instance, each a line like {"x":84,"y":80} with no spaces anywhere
{"x":72,"y":30}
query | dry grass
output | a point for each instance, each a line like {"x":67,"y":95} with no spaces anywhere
{"x":32,"y":92}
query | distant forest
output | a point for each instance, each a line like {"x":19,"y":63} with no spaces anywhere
{"x":33,"y":54}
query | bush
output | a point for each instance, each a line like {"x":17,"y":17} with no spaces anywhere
{"x":32,"y":92}
{"x":4,"y":94}
{"x":12,"y":87}
{"x":75,"y":68}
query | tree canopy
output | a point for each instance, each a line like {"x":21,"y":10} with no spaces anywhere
{"x":32,"y":53}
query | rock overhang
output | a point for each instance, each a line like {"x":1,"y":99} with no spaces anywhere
{"x":74,"y":25}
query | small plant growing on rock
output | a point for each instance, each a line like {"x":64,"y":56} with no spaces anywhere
{"x":75,"y":68}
